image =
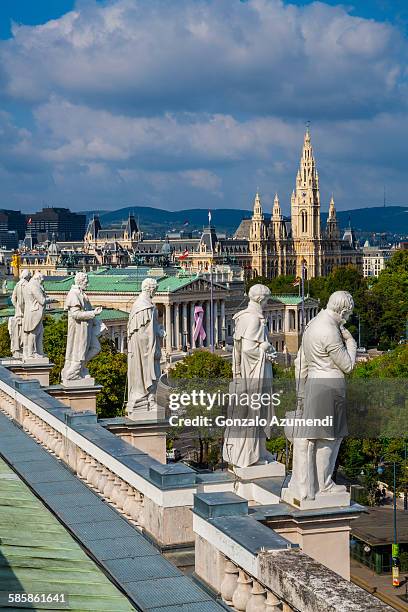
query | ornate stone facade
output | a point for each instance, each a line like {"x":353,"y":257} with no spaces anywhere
{"x":272,"y":245}
{"x":278,"y":246}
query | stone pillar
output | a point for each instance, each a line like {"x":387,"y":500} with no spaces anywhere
{"x":184,"y":325}
{"x":192,"y":306}
{"x":168,"y":328}
{"x":223,"y":321}
{"x":286,"y":320}
{"x":208,"y":322}
{"x":35,"y":370}
{"x":177,"y":343}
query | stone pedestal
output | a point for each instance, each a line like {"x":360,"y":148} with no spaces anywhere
{"x":78,"y":395}
{"x":147,"y":436}
{"x":144,"y":412}
{"x":324,"y":535}
{"x":265,"y":470}
{"x":322,"y":500}
{"x":30,"y":369}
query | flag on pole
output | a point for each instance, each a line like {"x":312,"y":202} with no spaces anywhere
{"x":30,"y":221}
{"x":209,"y":217}
{"x":183,"y":255}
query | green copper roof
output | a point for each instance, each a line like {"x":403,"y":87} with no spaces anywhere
{"x":107,"y":314}
{"x":120,"y":283}
{"x":111,"y":314}
{"x":37,"y":555}
{"x":291,"y":300}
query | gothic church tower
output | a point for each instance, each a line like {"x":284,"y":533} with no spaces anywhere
{"x":305,"y":213}
{"x":258,"y":242}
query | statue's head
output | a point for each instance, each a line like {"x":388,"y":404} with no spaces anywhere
{"x":149,"y":286}
{"x":38,"y":276}
{"x":81,"y":280}
{"x":25,"y":274}
{"x":341,"y":303}
{"x":259,"y":294}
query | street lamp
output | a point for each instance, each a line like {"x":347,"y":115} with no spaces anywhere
{"x":395,"y":547}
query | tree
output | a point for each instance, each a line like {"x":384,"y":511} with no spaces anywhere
{"x":109,"y":369}
{"x":393,"y":364}
{"x":211,"y":373}
{"x":280,"y":285}
{"x":381,"y":305}
{"x":55,"y":342}
{"x":389,"y":297}
{"x":202,"y":365}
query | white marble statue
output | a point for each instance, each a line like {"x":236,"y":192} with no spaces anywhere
{"x":16,"y":322}
{"x":35,"y":302}
{"x":83,"y":331}
{"x":252,"y":374}
{"x":327,"y":353}
{"x":144,"y":351}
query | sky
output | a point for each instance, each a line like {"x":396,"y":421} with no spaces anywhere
{"x":199,"y":103}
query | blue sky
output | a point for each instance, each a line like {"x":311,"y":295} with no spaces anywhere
{"x":105,"y":104}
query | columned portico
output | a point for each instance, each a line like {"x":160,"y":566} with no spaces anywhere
{"x":208,"y":323}
{"x":177,"y":339}
{"x":216,"y":326}
{"x":184,"y":325}
{"x":192,"y":307}
{"x":223,"y":321}
{"x":168,"y":327}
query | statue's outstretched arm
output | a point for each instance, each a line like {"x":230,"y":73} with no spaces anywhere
{"x":79,"y":315}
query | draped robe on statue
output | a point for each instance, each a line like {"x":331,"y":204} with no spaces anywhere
{"x":245,"y":446}
{"x":16,"y":322}
{"x":144,"y":351}
{"x":82,"y":335}
{"x":35,"y":302}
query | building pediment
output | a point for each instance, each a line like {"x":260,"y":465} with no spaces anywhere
{"x":183,"y":285}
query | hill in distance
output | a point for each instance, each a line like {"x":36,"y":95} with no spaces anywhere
{"x":156,"y":221}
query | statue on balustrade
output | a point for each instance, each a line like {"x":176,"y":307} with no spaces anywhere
{"x":83,"y":332}
{"x":252,"y":375}
{"x":35,"y":301}
{"x":327,"y":353}
{"x":15,"y":324}
{"x":144,"y":352}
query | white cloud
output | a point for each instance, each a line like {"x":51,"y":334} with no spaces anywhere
{"x":143,"y":100}
{"x":218,"y":56}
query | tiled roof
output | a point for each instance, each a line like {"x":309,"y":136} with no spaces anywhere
{"x":150,"y":581}
{"x":37,"y":555}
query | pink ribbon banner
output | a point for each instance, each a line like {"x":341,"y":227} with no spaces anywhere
{"x":199,"y":331}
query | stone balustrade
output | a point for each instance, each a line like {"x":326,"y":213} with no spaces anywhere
{"x":158,"y":498}
{"x":255,"y":569}
{"x":239,"y":553}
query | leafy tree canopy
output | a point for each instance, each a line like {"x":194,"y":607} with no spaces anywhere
{"x":202,"y":365}
{"x":381,"y":304}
